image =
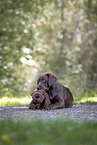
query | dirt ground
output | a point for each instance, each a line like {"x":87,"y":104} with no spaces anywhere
{"x":76,"y":113}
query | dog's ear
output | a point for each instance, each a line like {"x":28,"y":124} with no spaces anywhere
{"x":52,"y":79}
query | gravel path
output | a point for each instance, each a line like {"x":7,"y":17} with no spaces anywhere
{"x":76,"y":113}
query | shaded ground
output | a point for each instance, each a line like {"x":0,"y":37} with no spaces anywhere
{"x":76,"y":113}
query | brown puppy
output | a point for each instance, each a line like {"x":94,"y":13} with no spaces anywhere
{"x":60,"y":96}
{"x":40,"y":100}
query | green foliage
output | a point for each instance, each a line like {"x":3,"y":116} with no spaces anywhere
{"x":47,"y":132}
{"x":57,"y":36}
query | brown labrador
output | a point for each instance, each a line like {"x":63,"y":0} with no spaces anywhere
{"x":60,"y":96}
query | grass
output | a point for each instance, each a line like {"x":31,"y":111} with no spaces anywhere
{"x":25,"y":100}
{"x":48,"y":132}
{"x":14,"y":101}
{"x":86,"y":99}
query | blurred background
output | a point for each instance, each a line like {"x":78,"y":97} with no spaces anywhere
{"x":58,"y":36}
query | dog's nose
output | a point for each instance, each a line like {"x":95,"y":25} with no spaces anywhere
{"x":37,"y":96}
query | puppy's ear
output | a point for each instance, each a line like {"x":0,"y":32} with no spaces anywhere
{"x":52,"y":79}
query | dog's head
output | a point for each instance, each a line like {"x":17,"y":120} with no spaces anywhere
{"x":38,"y":100}
{"x":45,"y":81}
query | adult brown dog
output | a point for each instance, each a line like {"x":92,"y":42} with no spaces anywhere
{"x":60,"y":96}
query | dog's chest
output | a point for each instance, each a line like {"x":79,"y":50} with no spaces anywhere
{"x":53,"y":92}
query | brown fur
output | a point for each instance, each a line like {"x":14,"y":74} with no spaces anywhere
{"x":41,"y":102}
{"x":60,"y":96}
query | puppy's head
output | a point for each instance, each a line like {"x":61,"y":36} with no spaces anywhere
{"x":45,"y":81}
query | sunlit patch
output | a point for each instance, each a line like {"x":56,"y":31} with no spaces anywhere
{"x":23,"y":60}
{"x":29,"y":62}
{"x":26,"y":50}
{"x":25,"y":31}
{"x":5,"y":67}
{"x":95,"y":99}
{"x":29,"y":56}
{"x":14,"y":101}
{"x":4,"y":81}
{"x":10,"y":64}
{"x":88,"y":100}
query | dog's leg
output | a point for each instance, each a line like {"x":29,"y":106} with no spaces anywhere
{"x":58,"y":103}
{"x":47,"y":102}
